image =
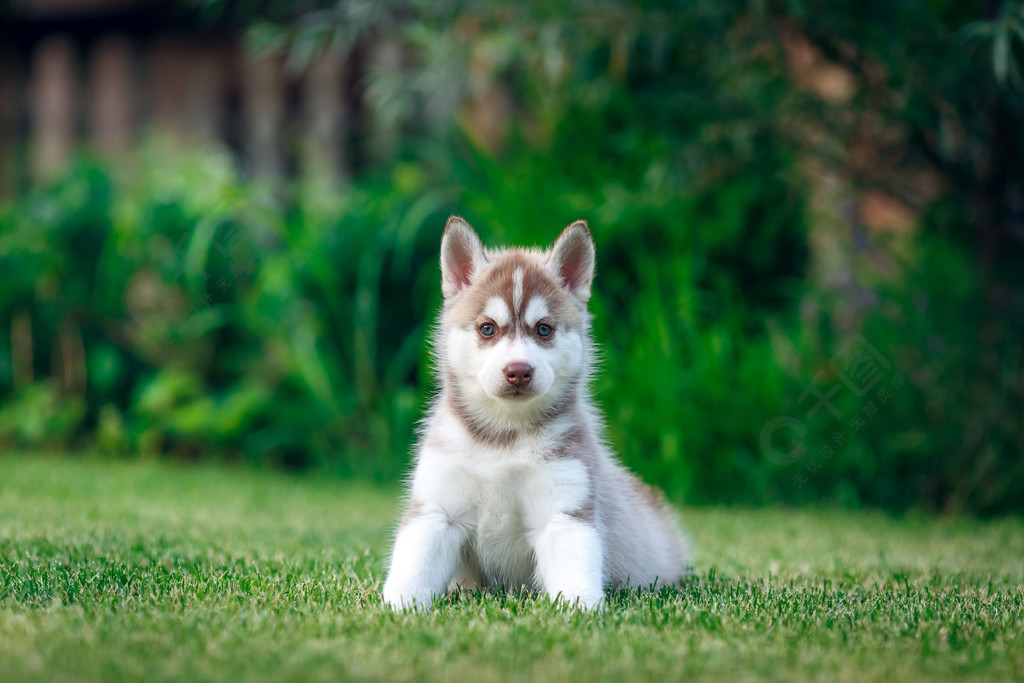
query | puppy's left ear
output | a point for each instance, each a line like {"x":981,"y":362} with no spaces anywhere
{"x":571,"y":260}
{"x":462,"y":256}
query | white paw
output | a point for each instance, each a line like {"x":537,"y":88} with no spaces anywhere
{"x":398,"y":599}
{"x":589,"y":601}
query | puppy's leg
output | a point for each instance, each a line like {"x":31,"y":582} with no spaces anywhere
{"x":427,"y":553}
{"x":569,"y":561}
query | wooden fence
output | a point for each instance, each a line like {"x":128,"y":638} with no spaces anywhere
{"x":105,"y":93}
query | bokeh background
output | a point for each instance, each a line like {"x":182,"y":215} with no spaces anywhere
{"x":219,"y":228}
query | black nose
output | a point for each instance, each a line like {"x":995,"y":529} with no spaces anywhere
{"x":519,"y":374}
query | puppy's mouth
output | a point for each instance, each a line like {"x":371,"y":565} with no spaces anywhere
{"x":518,"y":393}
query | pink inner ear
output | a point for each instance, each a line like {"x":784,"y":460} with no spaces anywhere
{"x":571,"y":274}
{"x":463,"y":269}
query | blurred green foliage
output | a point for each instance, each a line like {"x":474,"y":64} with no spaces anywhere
{"x":169,"y":306}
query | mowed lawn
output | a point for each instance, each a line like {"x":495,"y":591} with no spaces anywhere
{"x":144,"y":571}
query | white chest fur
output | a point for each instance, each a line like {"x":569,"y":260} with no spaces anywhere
{"x":504,"y":500}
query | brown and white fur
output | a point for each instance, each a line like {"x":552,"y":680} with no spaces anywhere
{"x":513,"y":486}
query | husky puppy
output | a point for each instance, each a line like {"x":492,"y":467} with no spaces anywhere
{"x":513,"y":485}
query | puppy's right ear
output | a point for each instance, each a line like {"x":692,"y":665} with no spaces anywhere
{"x":462,"y":256}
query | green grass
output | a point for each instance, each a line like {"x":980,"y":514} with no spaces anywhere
{"x":128,"y":571}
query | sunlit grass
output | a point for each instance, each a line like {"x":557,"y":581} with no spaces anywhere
{"x":153,"y":572}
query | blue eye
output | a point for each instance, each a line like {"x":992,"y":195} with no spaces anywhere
{"x":544,"y":329}
{"x":488,"y":329}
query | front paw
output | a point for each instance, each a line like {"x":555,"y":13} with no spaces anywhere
{"x":589,"y":601}
{"x":399,"y":598}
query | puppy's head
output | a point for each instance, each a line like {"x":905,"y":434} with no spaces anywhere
{"x":515,"y":322}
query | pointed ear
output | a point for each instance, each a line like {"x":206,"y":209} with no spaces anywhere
{"x":462,"y":256}
{"x":571,"y":260}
